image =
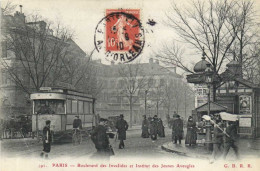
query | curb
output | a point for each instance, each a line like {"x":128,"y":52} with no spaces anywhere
{"x":193,"y":155}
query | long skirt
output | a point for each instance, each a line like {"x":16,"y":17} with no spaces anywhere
{"x":191,"y":137}
{"x":145,"y":132}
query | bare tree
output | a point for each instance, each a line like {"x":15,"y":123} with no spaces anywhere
{"x":133,"y":81}
{"x":35,"y":51}
{"x":8,"y":8}
{"x":178,"y":95}
{"x":246,"y":44}
{"x":205,"y":24}
{"x":210,"y":25}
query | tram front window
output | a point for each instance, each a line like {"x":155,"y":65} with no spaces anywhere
{"x":49,"y":106}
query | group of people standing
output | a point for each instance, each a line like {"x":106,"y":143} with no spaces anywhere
{"x":100,"y":136}
{"x":152,"y":127}
{"x":178,"y":133}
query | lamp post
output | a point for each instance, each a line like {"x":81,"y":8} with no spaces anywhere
{"x":208,"y":81}
{"x":145,"y":101}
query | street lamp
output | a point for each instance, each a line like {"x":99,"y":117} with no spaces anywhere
{"x":145,"y":101}
{"x":208,"y":81}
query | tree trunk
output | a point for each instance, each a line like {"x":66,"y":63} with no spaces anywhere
{"x":131,"y":111}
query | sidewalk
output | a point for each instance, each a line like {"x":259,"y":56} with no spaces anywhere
{"x":248,"y":148}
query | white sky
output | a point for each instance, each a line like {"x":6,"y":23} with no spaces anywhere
{"x":82,"y":16}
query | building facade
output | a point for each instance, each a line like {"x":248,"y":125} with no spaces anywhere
{"x":158,"y":91}
{"x":30,"y":58}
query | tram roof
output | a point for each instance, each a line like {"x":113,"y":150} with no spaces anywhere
{"x":62,"y":90}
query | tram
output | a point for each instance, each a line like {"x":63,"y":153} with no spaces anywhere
{"x":60,"y":106}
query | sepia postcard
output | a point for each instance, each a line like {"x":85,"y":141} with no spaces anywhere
{"x":130,"y":85}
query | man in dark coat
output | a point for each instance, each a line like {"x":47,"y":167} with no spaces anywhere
{"x":217,"y":140}
{"x":77,"y":123}
{"x":231,"y":140}
{"x":160,"y":128}
{"x":121,"y":126}
{"x":177,"y":129}
{"x":47,"y":138}
{"x":145,"y":125}
{"x":100,"y":139}
{"x":154,"y":128}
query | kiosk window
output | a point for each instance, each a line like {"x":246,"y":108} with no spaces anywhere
{"x":80,"y":103}
{"x":74,"y":106}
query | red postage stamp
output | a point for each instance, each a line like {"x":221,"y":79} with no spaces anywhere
{"x":120,"y":35}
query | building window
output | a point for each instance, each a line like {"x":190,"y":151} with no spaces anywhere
{"x":74,"y":106}
{"x":68,"y":106}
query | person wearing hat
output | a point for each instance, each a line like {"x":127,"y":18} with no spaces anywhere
{"x":47,"y":138}
{"x":121,"y":126}
{"x":217,"y":140}
{"x":231,"y":140}
{"x":191,"y":135}
{"x":100,"y":139}
{"x":177,"y":129}
{"x":154,"y":128}
{"x":77,"y":123}
{"x":161,"y":132}
{"x":145,"y":124}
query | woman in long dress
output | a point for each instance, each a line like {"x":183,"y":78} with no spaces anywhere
{"x":191,"y":135}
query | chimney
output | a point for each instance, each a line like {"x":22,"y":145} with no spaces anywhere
{"x":21,"y":9}
{"x":150,"y":60}
{"x":19,"y":18}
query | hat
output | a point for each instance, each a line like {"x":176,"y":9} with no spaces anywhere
{"x":102,"y":120}
{"x":77,"y":116}
{"x":121,"y":116}
{"x":48,"y":122}
{"x":155,"y":116}
{"x":175,"y":115}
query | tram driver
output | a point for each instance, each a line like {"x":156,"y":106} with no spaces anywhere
{"x":77,"y":124}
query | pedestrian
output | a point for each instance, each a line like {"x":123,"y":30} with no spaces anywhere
{"x":231,"y":140}
{"x":121,"y":126}
{"x":47,"y":138}
{"x":217,"y":140}
{"x":77,"y":123}
{"x":191,"y":135}
{"x":154,"y":127}
{"x":177,"y":129}
{"x":161,"y":132}
{"x":100,"y":138}
{"x":145,"y":125}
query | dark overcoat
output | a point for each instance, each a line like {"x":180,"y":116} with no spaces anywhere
{"x":100,"y":138}
{"x":145,"y":126}
{"x":121,"y":126}
{"x":46,"y":137}
{"x":161,"y":128}
{"x":154,"y":127}
{"x":177,"y":128}
{"x":191,"y":135}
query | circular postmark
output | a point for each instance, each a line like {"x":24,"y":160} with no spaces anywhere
{"x":120,"y":37}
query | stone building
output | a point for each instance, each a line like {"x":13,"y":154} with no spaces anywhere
{"x":15,"y":81}
{"x":158,"y":97}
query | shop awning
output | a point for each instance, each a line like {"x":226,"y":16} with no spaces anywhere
{"x":214,"y":107}
{"x":228,"y":116}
